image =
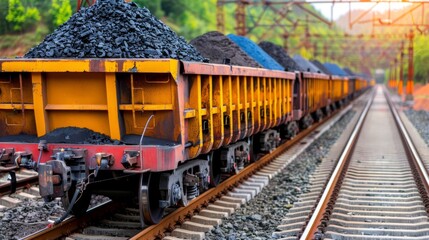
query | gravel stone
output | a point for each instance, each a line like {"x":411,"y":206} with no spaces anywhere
{"x":114,"y":29}
{"x":259,"y":218}
{"x":254,"y":51}
{"x":256,"y":217}
{"x":280,"y":55}
{"x":219,"y":49}
{"x":30,"y":216}
{"x":420,"y":120}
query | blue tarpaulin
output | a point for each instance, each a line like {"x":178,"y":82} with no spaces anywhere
{"x":254,"y":51}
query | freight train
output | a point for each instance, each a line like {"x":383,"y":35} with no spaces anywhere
{"x":176,"y":127}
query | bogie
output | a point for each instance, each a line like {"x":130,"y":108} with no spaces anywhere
{"x":289,"y":130}
{"x":174,"y":188}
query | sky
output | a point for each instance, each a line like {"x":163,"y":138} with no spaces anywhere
{"x":343,"y":8}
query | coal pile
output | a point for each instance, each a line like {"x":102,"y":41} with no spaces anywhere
{"x":25,"y":138}
{"x":72,"y":135}
{"x":280,"y":55}
{"x":320,"y":66}
{"x":217,"y":48}
{"x":78,"y":136}
{"x":305,"y":64}
{"x":335,"y":69}
{"x":349,"y":71}
{"x":254,"y":51}
{"x":114,"y":29}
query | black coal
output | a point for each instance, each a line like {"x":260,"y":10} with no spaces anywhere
{"x":73,"y":135}
{"x":320,"y":66}
{"x":280,"y":55}
{"x":114,"y":29}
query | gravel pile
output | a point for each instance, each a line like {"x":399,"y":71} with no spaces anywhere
{"x":32,"y":215}
{"x":280,"y":55}
{"x":28,"y":217}
{"x":254,"y":51}
{"x":420,"y":120}
{"x":114,"y":29}
{"x":259,"y":218}
{"x":305,"y":64}
{"x":217,"y":48}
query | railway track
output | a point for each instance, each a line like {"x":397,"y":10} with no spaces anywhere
{"x":217,"y":204}
{"x":201,"y":214}
{"x":22,"y":183}
{"x":377,"y":189}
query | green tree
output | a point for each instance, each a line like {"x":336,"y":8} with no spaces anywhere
{"x":4,"y":24}
{"x":421,"y":58}
{"x":193,"y":17}
{"x":154,"y":6}
{"x":16,"y":14}
{"x":60,"y":12}
{"x":32,"y":14}
{"x":20,"y":17}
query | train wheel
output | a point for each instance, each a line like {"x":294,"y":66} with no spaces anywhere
{"x":290,"y":130}
{"x":149,"y":196}
{"x":318,"y":115}
{"x":81,"y":205}
{"x":327,"y":110}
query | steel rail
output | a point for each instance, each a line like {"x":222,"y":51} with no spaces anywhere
{"x":180,"y":215}
{"x":320,"y":210}
{"x":410,"y":148}
{"x":72,"y":224}
{"x":20,"y":184}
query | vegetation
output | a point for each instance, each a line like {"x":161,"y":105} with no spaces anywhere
{"x":189,"y":18}
{"x":19,"y":17}
{"x":421,"y":59}
{"x":60,"y":12}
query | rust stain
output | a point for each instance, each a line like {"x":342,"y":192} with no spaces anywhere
{"x":96,"y":66}
{"x":120,"y":65}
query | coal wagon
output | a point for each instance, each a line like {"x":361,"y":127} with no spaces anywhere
{"x":172,"y":128}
